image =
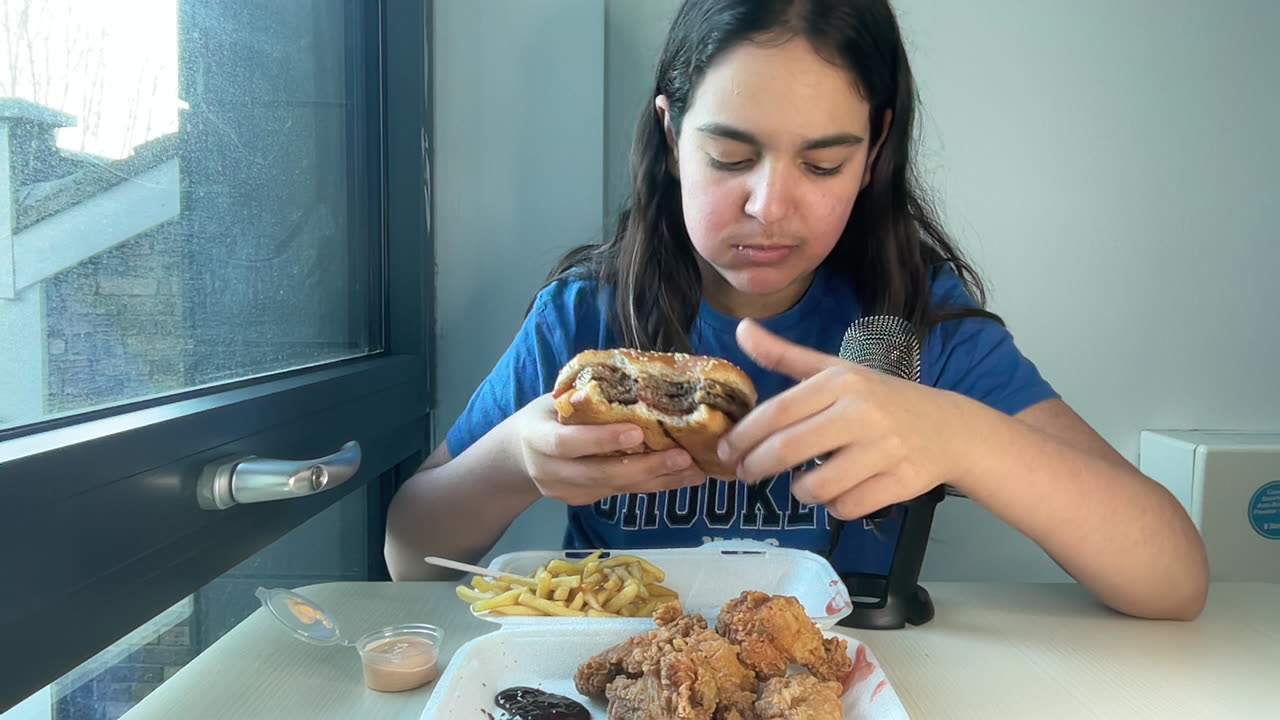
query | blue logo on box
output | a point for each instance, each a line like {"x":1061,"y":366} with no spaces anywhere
{"x":1264,"y":510}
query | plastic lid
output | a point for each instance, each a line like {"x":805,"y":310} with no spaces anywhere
{"x":302,"y":616}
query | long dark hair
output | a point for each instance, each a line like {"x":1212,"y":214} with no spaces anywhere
{"x":892,"y":239}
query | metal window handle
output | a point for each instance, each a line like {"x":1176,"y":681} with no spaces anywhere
{"x":239,"y":480}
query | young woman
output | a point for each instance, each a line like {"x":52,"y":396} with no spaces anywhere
{"x":775,"y":203}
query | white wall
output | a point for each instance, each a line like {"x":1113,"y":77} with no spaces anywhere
{"x":519,"y":169}
{"x":1106,"y":164}
{"x":634,"y":33}
{"x":518,"y":166}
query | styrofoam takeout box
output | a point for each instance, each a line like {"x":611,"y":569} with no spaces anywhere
{"x":548,"y":657}
{"x":545,"y":651}
{"x":706,"y":577}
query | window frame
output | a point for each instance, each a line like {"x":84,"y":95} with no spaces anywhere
{"x":100,"y":528}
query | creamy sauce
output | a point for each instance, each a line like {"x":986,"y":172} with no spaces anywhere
{"x":307,"y":613}
{"x":400,"y":663}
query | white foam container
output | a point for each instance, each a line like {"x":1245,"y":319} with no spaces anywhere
{"x":706,"y":577}
{"x":545,"y":651}
{"x":548,"y":657}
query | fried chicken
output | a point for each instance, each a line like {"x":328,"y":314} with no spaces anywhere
{"x":681,"y":670}
{"x":685,"y":670}
{"x":736,"y":706}
{"x":799,"y":697}
{"x":679,"y":688}
{"x":667,"y":613}
{"x":773,"y":631}
{"x":723,"y":660}
{"x":630,"y":657}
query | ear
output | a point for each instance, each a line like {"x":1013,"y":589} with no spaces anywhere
{"x":875,"y":151}
{"x":663,"y":106}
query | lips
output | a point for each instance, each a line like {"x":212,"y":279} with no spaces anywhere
{"x":764,"y":253}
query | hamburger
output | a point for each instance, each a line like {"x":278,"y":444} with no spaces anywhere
{"x":678,"y":400}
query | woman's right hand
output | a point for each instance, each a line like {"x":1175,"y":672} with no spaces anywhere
{"x":564,"y":462}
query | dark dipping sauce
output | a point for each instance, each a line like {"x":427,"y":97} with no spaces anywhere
{"x":526,"y":703}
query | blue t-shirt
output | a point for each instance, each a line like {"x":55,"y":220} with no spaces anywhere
{"x":972,"y":356}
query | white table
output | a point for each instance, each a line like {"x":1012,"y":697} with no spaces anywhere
{"x":993,"y":651}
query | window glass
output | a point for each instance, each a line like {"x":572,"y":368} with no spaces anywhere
{"x":182,"y":198}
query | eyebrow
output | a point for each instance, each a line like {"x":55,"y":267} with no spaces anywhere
{"x":732,"y":133}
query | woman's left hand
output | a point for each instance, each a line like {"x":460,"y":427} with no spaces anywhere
{"x":889,"y":439}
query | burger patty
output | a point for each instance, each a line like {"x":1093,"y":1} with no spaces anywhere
{"x":672,"y":397}
{"x":617,"y":385}
{"x":724,"y":398}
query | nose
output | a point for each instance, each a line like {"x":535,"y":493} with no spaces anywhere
{"x":770,"y":194}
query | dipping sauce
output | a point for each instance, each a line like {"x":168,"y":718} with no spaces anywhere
{"x":395,"y":662}
{"x":526,"y":703}
{"x":307,"y":612}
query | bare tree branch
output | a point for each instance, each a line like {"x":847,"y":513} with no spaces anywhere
{"x":12,"y":31}
{"x":25,"y":20}
{"x":58,"y":55}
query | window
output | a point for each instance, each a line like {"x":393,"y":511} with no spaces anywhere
{"x":178,"y":218}
{"x":208,"y":252}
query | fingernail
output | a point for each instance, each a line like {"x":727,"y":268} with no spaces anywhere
{"x":631,"y":438}
{"x":722,"y":450}
{"x":678,"y":461}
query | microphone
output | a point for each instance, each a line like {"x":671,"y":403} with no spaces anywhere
{"x":883,"y":342}
{"x":888,"y":344}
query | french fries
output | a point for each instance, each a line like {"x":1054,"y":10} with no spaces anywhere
{"x":618,"y":586}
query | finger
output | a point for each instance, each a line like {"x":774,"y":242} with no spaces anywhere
{"x":773,"y":353}
{"x":872,"y":494}
{"x":670,"y":481}
{"x":577,"y":441}
{"x":841,"y":473}
{"x":644,"y":467}
{"x":617,"y":472}
{"x":587,"y":494}
{"x":784,"y":411}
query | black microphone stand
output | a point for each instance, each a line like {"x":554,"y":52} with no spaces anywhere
{"x":889,"y":602}
{"x":891,"y":345}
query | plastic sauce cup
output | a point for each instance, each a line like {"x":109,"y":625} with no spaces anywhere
{"x":400,"y":657}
